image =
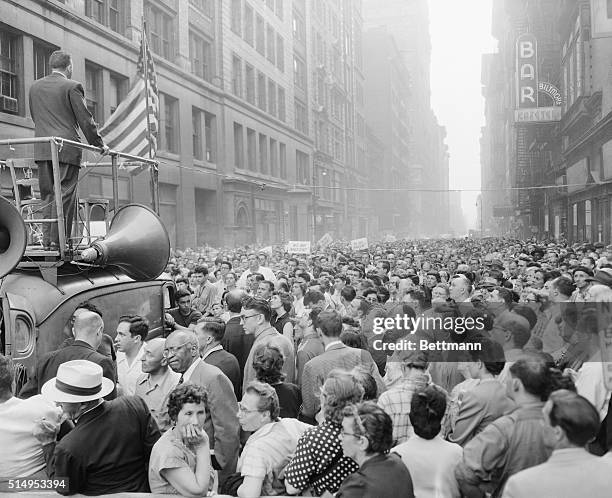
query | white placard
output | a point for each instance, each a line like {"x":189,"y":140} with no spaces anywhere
{"x":325,"y":240}
{"x":359,"y":244}
{"x":298,"y":247}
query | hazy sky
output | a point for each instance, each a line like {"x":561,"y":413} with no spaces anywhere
{"x":460,"y":34}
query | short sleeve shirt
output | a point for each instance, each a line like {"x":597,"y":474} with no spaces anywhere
{"x":314,"y":455}
{"x":170,"y":453}
{"x":267,"y":452}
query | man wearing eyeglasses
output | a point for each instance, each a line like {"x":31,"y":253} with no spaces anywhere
{"x":255,"y":318}
{"x":221,"y":424}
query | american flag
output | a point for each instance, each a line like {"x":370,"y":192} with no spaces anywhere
{"x":127,"y":129}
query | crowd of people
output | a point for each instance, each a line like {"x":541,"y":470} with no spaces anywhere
{"x":336,"y":374}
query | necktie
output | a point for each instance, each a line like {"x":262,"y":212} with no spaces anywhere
{"x":181,"y":379}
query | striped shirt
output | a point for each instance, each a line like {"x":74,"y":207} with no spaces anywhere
{"x":268,"y":451}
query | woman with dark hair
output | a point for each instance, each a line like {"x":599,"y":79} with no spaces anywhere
{"x":268,"y":363}
{"x":367,"y":437}
{"x":430,"y":459}
{"x":180,"y":460}
{"x":484,"y":402}
{"x":319,"y":464}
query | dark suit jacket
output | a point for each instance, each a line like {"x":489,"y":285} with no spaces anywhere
{"x":237,"y":342}
{"x":78,"y":350}
{"x":108,"y":450}
{"x":221,"y":422}
{"x":228,"y":364}
{"x":57,"y":106}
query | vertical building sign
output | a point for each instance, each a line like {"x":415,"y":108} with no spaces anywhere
{"x":526,"y":71}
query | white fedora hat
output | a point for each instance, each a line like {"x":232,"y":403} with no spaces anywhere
{"x":77,"y":381}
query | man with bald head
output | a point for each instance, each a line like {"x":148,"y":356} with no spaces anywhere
{"x":157,"y":381}
{"x":182,"y":353}
{"x":235,"y":341}
{"x":88,"y":329}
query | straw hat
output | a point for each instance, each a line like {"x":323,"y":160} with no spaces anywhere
{"x":77,"y":381}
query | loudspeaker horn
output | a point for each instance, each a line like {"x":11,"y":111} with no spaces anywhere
{"x":13,"y":237}
{"x":137,"y":242}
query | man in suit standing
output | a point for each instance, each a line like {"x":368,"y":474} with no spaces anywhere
{"x":221,"y":422}
{"x":88,"y":331}
{"x":336,"y":355}
{"x":109,"y":448}
{"x":235,"y":341}
{"x":57,"y":106}
{"x":571,"y":422}
{"x":210,"y":335}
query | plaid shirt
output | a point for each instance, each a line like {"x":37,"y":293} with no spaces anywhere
{"x":396,"y":402}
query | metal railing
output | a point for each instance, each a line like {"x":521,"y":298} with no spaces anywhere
{"x":56,"y":144}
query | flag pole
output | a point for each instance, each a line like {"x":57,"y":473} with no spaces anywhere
{"x":153,"y":170}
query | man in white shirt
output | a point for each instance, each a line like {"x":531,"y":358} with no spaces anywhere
{"x":132,"y":331}
{"x":157,"y":382}
{"x":21,"y":454}
{"x":254,"y":267}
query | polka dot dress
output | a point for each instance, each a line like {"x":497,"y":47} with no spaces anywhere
{"x":315,"y":452}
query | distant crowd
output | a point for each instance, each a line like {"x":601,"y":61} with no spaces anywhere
{"x":431,"y":368}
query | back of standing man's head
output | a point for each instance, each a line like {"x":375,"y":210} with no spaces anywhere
{"x":60,"y":60}
{"x":330,"y":323}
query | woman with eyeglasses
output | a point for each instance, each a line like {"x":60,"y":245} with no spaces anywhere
{"x":367,"y":437}
{"x":180,"y":460}
{"x":319,"y":464}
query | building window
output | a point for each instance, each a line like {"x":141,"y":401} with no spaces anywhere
{"x":280,"y":53}
{"x":273,"y":157}
{"x":260,"y":42}
{"x":271,"y":98}
{"x":94,"y":9}
{"x":200,"y":53}
{"x":41,"y":60}
{"x":93,"y":93}
{"x":9,"y":92}
{"x":204,"y":6}
{"x":169,"y":123}
{"x":251,"y":149}
{"x":237,"y":76}
{"x":238,"y":146}
{"x":282,"y":159}
{"x":210,"y":136}
{"x":196,"y":124}
{"x":161,"y":31}
{"x":261,"y":91}
{"x":248,"y":24}
{"x":281,"y":104}
{"x":299,"y":72}
{"x":237,"y":16}
{"x":250,"y":84}
{"x":263,"y":154}
{"x":271,"y":49}
{"x":301,"y":117}
{"x":299,"y":28}
{"x":118,"y":86}
{"x":111,"y":13}
{"x":302,"y":168}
